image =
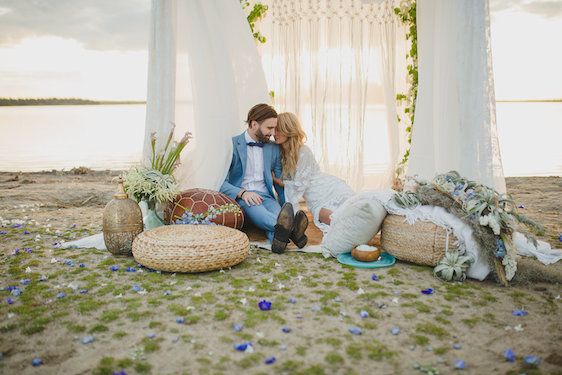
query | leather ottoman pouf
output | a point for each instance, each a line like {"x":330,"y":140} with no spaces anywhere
{"x":190,"y":248}
{"x":198,"y":201}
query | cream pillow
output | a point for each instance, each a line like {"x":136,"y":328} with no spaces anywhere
{"x":354,"y":223}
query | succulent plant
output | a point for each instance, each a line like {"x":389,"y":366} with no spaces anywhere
{"x":453,"y":266}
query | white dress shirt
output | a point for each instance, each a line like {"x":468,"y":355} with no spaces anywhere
{"x":253,"y":178}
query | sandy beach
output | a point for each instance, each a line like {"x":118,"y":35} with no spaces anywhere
{"x":160,"y":323}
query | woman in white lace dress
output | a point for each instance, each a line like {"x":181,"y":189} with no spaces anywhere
{"x":302,"y":177}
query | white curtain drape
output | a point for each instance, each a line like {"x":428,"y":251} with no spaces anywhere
{"x":338,"y":65}
{"x":204,"y":74}
{"x":455,"y":121}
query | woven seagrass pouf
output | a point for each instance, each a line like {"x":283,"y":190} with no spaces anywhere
{"x":420,"y":243}
{"x":190,"y":248}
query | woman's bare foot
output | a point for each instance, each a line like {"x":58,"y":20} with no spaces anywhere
{"x":325,"y":216}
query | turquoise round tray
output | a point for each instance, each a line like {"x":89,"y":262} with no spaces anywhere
{"x":387,"y":260}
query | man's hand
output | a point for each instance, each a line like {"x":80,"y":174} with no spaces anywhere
{"x":251,"y":198}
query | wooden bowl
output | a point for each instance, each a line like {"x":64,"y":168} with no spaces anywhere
{"x":365,"y":253}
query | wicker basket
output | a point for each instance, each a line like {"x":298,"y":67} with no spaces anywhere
{"x":421,"y":243}
{"x":190,"y":248}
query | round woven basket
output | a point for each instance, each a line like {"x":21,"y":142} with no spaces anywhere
{"x":420,"y":243}
{"x":190,"y":248}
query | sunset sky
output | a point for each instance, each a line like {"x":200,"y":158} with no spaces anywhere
{"x":96,"y":49}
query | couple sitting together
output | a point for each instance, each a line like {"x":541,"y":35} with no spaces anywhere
{"x":259,"y":167}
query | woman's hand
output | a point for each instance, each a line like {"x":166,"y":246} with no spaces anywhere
{"x":277,"y":181}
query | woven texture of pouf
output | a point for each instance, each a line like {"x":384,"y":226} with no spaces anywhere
{"x":198,"y":201}
{"x":420,"y":243}
{"x":190,"y":248}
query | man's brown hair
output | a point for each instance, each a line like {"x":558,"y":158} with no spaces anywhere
{"x":260,"y":113}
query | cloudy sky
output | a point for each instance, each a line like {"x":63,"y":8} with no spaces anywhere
{"x":97,"y":48}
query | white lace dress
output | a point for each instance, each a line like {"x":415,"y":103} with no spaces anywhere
{"x":319,"y":190}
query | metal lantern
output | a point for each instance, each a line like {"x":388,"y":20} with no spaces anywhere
{"x":122,"y":222}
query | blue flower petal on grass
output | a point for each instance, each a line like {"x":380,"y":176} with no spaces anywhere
{"x":9,"y":301}
{"x":3,"y":232}
{"x":457,"y":346}
{"x":28,"y":250}
{"x":36,"y":362}
{"x":395,"y":330}
{"x":237,"y":327}
{"x":16,"y":251}
{"x":243,"y":346}
{"x":316,"y":308}
{"x":87,"y":340}
{"x":16,"y":292}
{"x":531,"y":360}
{"x":17,"y":225}
{"x":355,"y":331}
{"x":25,"y":281}
{"x":264,"y":305}
{"x":364,"y":314}
{"x":521,"y":206}
{"x":136,"y":288}
{"x":286,"y":329}
{"x":270,"y":360}
{"x":131,"y":269}
{"x":83,"y":291}
{"x":427,"y":291}
{"x":374,"y":277}
{"x":26,"y":232}
{"x":168,"y":293}
{"x":114,"y":268}
{"x":460,"y":364}
{"x":509,"y":355}
{"x":82,"y":265}
{"x":180,"y":320}
{"x":122,"y":372}
{"x":292,"y":300}
{"x":61,"y":295}
{"x":151,"y":335}
{"x":519,"y":313}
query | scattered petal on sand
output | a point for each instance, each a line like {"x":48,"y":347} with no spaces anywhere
{"x":61,"y":295}
{"x":292,"y":300}
{"x":114,"y":268}
{"x":316,"y":308}
{"x":180,"y":320}
{"x":364,"y":314}
{"x":151,"y":335}
{"x":509,"y":355}
{"x":531,"y":360}
{"x":457,"y":346}
{"x":395,"y":330}
{"x":36,"y":362}
{"x":519,"y":313}
{"x":355,"y":331}
{"x":264,"y":305}
{"x":25,"y":281}
{"x":285,"y":329}
{"x":460,"y":364}
{"x":374,"y":277}
{"x":270,"y":360}
{"x":237,"y":327}
{"x":9,"y":301}
{"x":87,"y":340}
{"x":427,"y":291}
{"x":243,"y":347}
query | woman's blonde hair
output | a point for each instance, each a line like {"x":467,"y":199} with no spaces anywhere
{"x":289,"y":125}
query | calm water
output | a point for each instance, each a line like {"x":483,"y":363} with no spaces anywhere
{"x":111,"y":137}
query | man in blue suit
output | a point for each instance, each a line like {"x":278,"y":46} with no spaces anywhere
{"x":249,"y":180}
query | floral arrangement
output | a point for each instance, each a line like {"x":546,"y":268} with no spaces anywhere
{"x":206,"y":217}
{"x":492,"y":216}
{"x":156,"y":184}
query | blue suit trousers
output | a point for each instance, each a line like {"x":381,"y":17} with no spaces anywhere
{"x":263,"y":216}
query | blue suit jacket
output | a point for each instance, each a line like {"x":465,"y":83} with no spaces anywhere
{"x":271,"y":162}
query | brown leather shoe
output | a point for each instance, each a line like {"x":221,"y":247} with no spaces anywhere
{"x":299,"y":227}
{"x":283,"y":229}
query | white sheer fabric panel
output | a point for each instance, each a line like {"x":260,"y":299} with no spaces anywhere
{"x":455,"y":122}
{"x":334,"y":64}
{"x":204,"y":74}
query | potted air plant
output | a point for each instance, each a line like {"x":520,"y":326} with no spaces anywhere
{"x":155,"y":184}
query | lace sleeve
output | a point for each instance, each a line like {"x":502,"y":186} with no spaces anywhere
{"x":306,"y":168}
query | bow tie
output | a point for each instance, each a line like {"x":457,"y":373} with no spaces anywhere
{"x":258,"y":144}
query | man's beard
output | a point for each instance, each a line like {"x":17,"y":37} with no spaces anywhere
{"x":261,"y":137}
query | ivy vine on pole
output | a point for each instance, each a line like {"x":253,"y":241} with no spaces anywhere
{"x":407,"y":15}
{"x":255,"y":14}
